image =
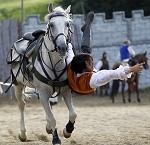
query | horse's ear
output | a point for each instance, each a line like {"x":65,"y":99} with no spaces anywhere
{"x":50,"y":8}
{"x":68,"y":9}
{"x":145,"y":53}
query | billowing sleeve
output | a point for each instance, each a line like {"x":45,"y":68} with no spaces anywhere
{"x":70,"y":53}
{"x":98,"y":65}
{"x":104,"y":76}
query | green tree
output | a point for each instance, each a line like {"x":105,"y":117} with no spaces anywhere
{"x":107,"y":6}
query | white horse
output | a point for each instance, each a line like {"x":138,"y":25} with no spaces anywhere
{"x":48,"y":69}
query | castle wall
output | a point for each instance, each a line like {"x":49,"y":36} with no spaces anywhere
{"x":109,"y":34}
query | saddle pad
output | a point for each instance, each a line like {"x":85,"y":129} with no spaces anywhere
{"x":21,"y":46}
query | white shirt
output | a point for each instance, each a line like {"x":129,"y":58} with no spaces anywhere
{"x":98,"y":65}
{"x":131,"y":51}
{"x":70,"y":53}
{"x":102,"y":77}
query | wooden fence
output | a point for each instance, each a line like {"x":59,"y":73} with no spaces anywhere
{"x":9,"y":33}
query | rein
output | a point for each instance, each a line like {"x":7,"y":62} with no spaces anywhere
{"x":41,"y":60}
{"x":38,"y":54}
{"x":47,"y":80}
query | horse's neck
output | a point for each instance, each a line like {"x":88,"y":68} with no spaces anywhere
{"x":136,"y":59}
{"x":52,"y":58}
{"x":48,"y":42}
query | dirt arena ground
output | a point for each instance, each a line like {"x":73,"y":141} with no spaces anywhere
{"x":99,"y":122}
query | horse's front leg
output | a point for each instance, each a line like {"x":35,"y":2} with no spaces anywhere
{"x":72,"y":115}
{"x":21,"y":105}
{"x":51,"y":122}
{"x":137,"y":90}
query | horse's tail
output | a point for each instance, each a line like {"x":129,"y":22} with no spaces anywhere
{"x":114,"y":89}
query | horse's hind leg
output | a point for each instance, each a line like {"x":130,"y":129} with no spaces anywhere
{"x":72,"y":115}
{"x":21,"y":105}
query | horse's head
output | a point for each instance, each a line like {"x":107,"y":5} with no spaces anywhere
{"x":142,"y":58}
{"x":145,"y":60}
{"x":59,"y":28}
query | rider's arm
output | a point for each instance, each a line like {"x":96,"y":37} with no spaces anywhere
{"x":104,"y":76}
{"x":70,"y":53}
{"x":98,"y":65}
{"x":131,"y":51}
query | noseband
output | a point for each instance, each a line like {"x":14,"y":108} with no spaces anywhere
{"x":49,"y":33}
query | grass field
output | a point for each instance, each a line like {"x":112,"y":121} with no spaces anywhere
{"x":11,"y":9}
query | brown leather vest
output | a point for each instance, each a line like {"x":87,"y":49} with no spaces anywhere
{"x":80,"y":85}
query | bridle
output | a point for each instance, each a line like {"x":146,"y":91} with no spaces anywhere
{"x":51,"y":37}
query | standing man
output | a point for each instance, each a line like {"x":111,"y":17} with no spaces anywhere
{"x":103,"y":64}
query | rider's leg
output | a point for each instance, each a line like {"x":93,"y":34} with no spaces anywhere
{"x":86,"y":38}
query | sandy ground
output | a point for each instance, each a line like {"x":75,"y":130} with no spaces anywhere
{"x":99,"y":122}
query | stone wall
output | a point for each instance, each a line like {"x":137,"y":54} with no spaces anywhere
{"x":109,"y":34}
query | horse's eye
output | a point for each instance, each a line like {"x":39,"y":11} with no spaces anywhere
{"x":51,"y":25}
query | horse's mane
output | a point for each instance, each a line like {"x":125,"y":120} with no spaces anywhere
{"x":56,"y":10}
{"x":138,"y":55}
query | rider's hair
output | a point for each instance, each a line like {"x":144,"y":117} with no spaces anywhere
{"x":78,"y":63}
{"x":127,"y":42}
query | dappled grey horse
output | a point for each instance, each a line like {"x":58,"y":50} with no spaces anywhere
{"x":38,"y":60}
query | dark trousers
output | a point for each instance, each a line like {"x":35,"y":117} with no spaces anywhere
{"x":86,"y":40}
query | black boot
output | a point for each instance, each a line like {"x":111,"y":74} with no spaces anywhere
{"x":86,"y":38}
{"x":88,"y":20}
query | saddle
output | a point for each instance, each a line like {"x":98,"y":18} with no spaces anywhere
{"x":24,"y":47}
{"x":27,"y":43}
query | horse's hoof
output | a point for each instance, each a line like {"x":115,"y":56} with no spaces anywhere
{"x":23,"y":139}
{"x":66,"y":134}
{"x":56,"y":141}
{"x":49,"y":131}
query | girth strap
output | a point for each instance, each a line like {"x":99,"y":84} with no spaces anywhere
{"x":41,"y":77}
{"x":48,"y":81}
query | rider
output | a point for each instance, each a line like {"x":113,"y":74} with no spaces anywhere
{"x":82,"y":77}
{"x":126,"y":52}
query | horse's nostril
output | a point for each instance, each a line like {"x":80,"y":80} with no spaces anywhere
{"x":62,"y":48}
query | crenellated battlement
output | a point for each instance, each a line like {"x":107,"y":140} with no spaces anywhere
{"x":109,"y":34}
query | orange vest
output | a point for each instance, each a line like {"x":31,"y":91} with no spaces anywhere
{"x":80,"y":85}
